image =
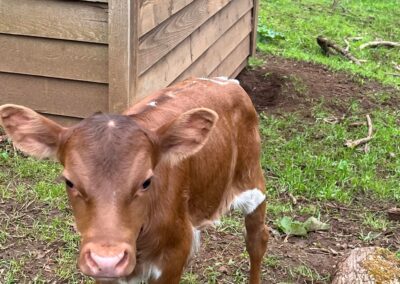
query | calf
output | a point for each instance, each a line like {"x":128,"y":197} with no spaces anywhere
{"x":141,"y":185}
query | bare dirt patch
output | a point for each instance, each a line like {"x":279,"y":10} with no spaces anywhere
{"x":282,"y":86}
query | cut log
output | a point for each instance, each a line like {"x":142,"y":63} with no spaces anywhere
{"x":368,"y":265}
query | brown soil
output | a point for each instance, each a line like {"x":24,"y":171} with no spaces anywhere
{"x":279,"y":87}
{"x":284,"y":86}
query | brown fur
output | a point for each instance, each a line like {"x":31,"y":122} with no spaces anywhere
{"x":201,"y":145}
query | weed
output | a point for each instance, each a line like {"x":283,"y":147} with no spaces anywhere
{"x":375,"y":221}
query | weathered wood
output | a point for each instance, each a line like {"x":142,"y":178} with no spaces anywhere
{"x":256,"y":7}
{"x":368,"y":265}
{"x":167,"y":70}
{"x":63,"y":120}
{"x":53,"y":58}
{"x":210,"y":60}
{"x":154,"y":12}
{"x":234,"y":63}
{"x":123,"y":46}
{"x":71,"y":20}
{"x":157,"y":43}
{"x":101,"y":1}
{"x":55,"y":96}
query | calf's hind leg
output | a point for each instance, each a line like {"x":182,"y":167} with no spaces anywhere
{"x":256,"y":241}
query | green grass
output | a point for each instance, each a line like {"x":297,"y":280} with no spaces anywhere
{"x":309,"y":159}
{"x":291,"y":28}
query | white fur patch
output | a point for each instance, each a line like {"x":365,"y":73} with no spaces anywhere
{"x":221,"y":80}
{"x":195,"y":242}
{"x":152,"y":104}
{"x":111,"y":123}
{"x":248,"y":200}
{"x":151,"y":272}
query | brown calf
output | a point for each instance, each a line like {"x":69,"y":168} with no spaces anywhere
{"x":142,"y":185}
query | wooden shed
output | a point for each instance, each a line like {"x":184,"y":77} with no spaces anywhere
{"x":69,"y":59}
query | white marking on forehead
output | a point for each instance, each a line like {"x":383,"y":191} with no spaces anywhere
{"x":248,"y":200}
{"x":111,"y":123}
{"x":152,"y":104}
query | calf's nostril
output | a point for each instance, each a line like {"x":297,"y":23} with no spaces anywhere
{"x":100,"y":263}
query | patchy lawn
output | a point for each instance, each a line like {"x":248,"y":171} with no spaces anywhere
{"x":289,"y":29}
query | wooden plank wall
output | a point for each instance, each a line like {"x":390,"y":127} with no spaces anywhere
{"x":54,"y":55}
{"x":198,"y":38}
{"x":72,"y":58}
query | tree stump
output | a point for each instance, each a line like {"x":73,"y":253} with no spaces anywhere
{"x":368,"y":265}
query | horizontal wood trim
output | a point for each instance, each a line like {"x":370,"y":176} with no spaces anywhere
{"x":101,"y":1}
{"x":71,"y":20}
{"x":54,"y":58}
{"x":154,"y":12}
{"x":157,"y":43}
{"x":165,"y":71}
{"x":54,"y":96}
{"x":210,"y":60}
{"x":234,"y":63}
{"x":63,"y":120}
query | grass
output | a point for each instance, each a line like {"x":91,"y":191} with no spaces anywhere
{"x":310,"y":160}
{"x":289,"y":29}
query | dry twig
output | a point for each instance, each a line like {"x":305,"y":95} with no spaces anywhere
{"x":327,"y":45}
{"x":380,"y":43}
{"x":355,"y":143}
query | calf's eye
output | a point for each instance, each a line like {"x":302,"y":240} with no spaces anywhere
{"x":146,"y":183}
{"x":69,"y":184}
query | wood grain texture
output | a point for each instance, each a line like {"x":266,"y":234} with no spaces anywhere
{"x":256,"y":7}
{"x":53,"y":58}
{"x":154,"y":12}
{"x":165,"y":71}
{"x":157,"y":43}
{"x":210,"y":60}
{"x":71,"y":20}
{"x":55,"y":96}
{"x":123,"y":46}
{"x":63,"y":120}
{"x":101,"y":1}
{"x":234,"y":63}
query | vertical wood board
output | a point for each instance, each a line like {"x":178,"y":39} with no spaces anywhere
{"x":123,"y":41}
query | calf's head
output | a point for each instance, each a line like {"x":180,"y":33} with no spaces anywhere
{"x":111,"y":164}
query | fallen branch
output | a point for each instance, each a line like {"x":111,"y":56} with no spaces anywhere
{"x":355,"y":143}
{"x":380,"y":43}
{"x":396,"y":66}
{"x":327,"y":45}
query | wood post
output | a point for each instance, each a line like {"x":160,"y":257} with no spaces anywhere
{"x":123,"y":45}
{"x":253,"y":45}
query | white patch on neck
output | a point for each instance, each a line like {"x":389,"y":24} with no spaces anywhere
{"x":248,"y":201}
{"x":111,"y":123}
{"x":151,"y":271}
{"x":152,"y":104}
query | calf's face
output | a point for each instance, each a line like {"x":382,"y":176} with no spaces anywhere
{"x":110,"y":166}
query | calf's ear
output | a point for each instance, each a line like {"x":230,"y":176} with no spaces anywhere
{"x":187,"y":134}
{"x":31,"y":132}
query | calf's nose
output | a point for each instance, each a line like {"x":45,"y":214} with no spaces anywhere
{"x":107,"y":266}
